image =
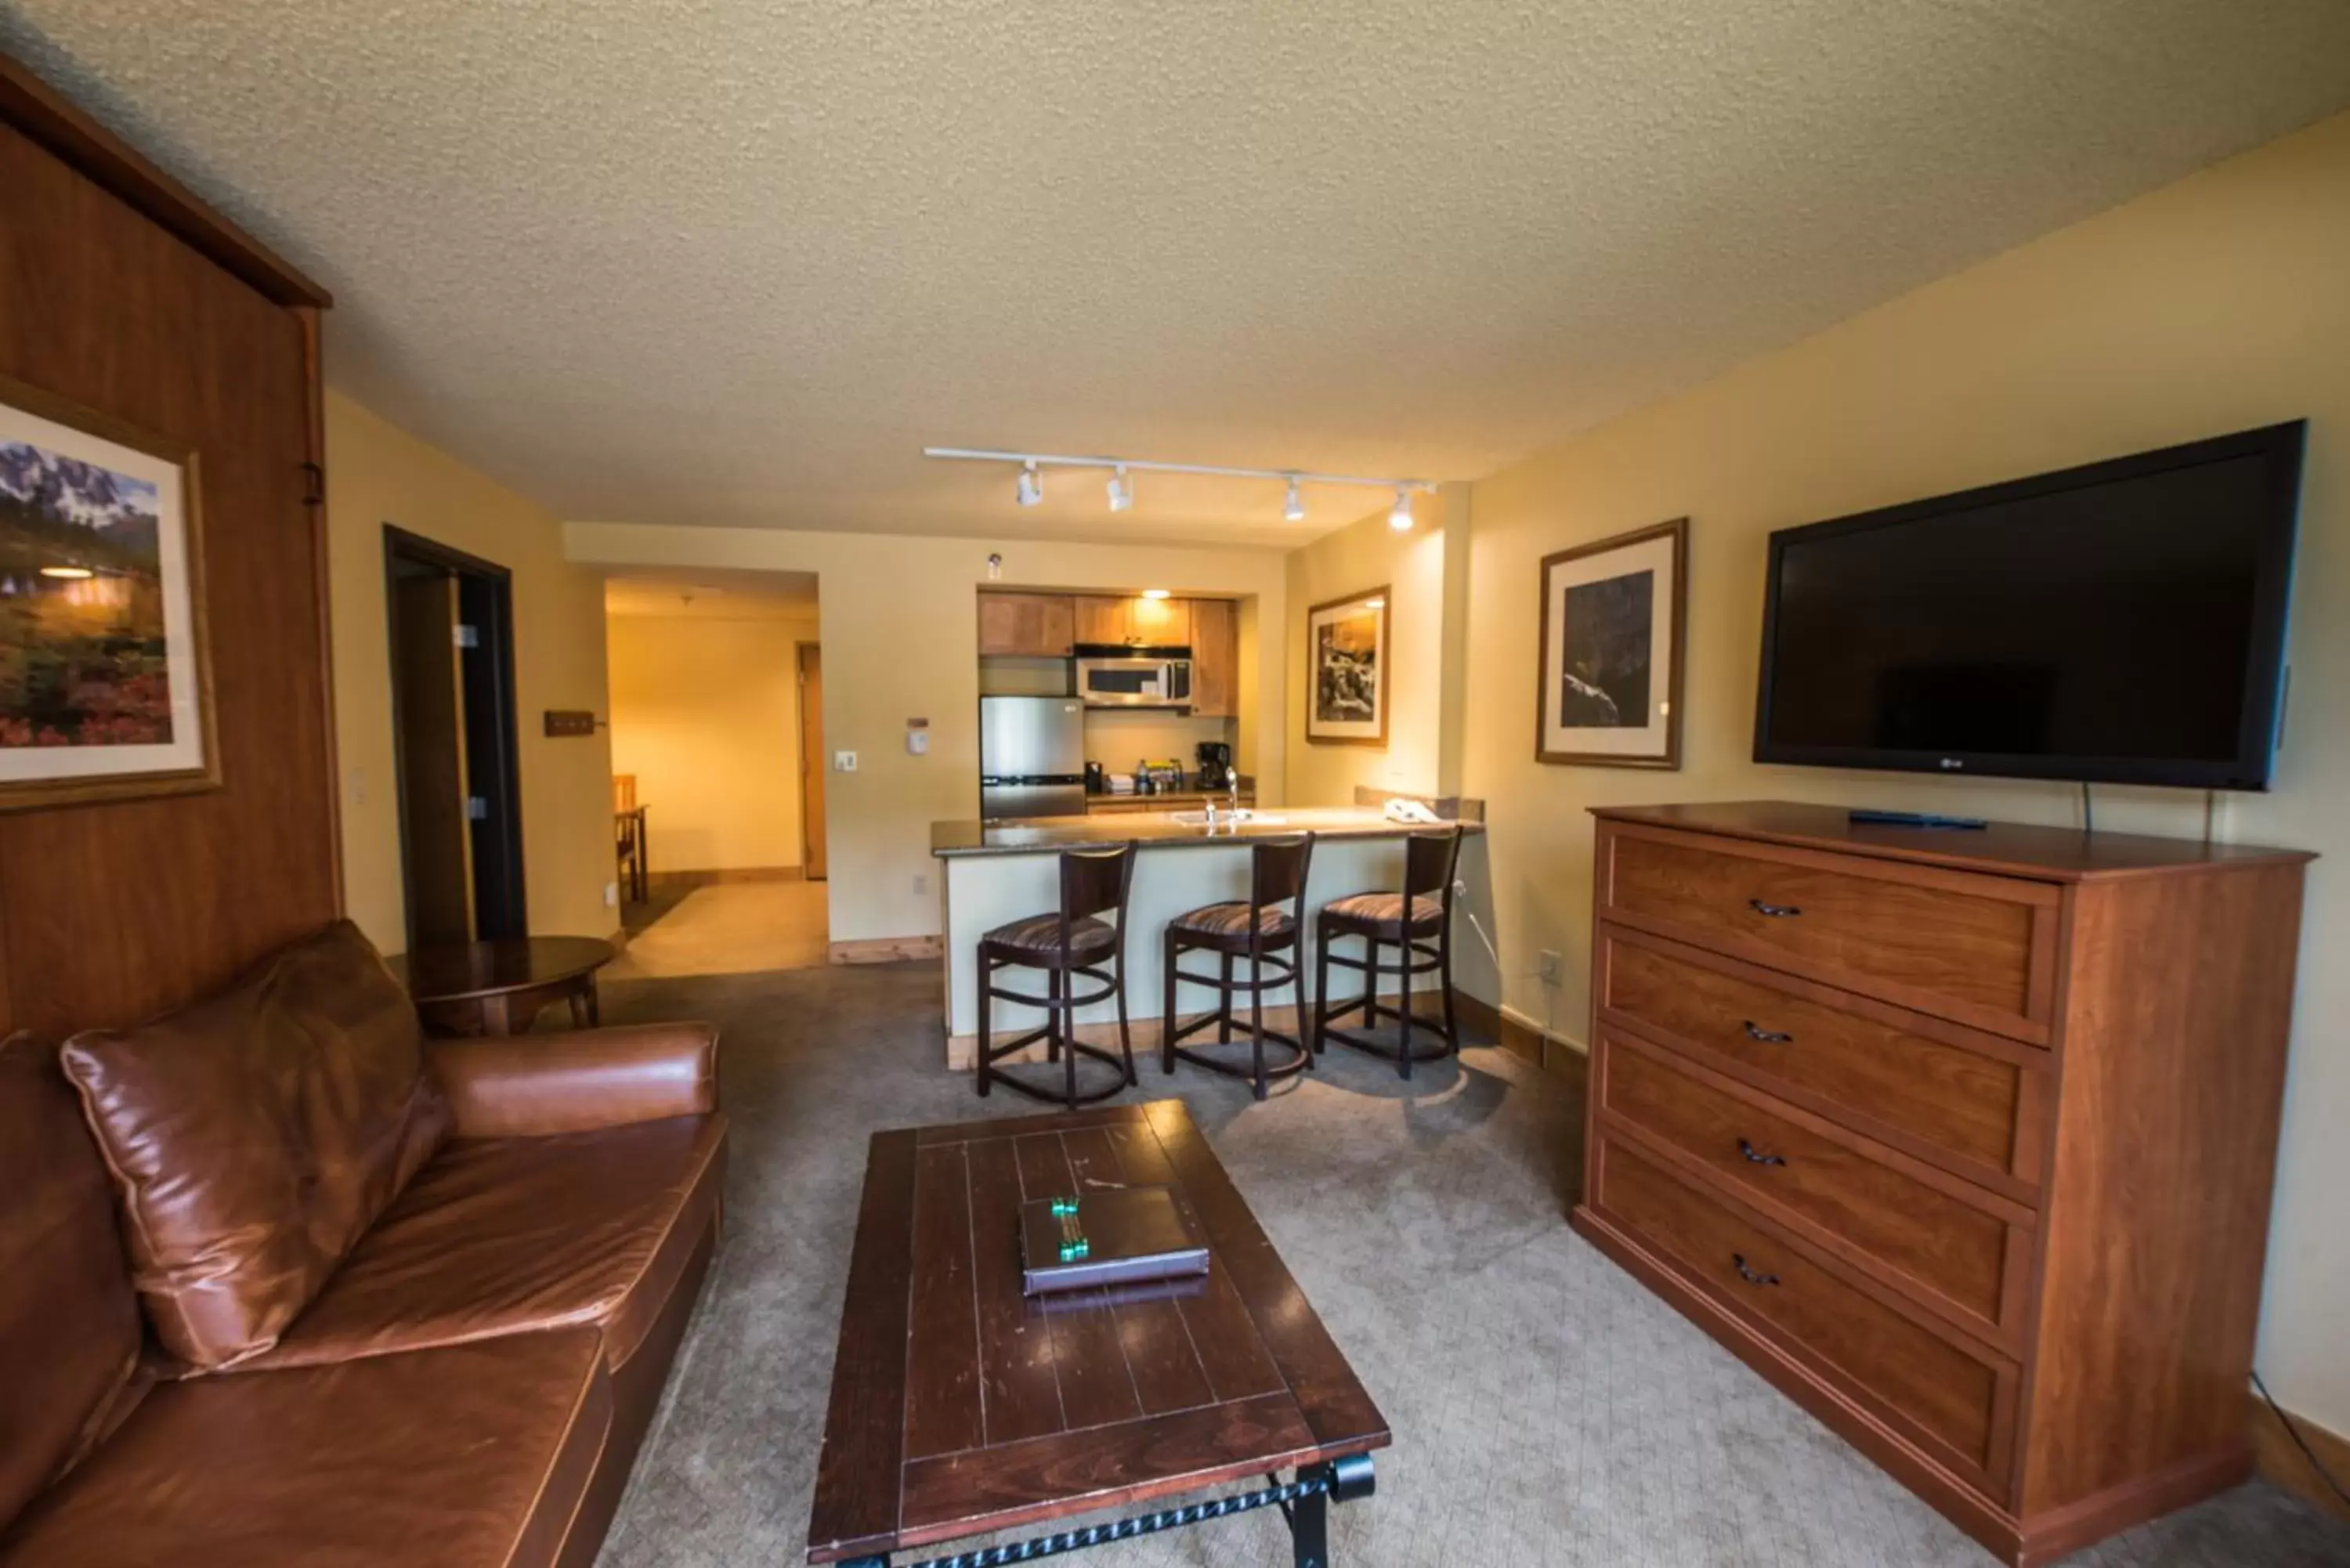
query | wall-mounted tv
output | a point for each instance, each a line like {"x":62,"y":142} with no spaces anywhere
{"x":2122,"y":622}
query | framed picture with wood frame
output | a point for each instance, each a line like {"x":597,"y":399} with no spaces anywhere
{"x":105,"y":685}
{"x":1346,"y":671}
{"x":1613,"y":621}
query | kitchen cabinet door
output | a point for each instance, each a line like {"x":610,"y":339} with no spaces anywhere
{"x":1103,"y":619}
{"x":1159,"y":623}
{"x":1215,"y":658}
{"x":1036,"y":625}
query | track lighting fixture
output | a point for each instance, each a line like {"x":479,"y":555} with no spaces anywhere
{"x":1031,"y":488}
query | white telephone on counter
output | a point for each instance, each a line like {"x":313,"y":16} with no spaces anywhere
{"x":1400,"y":810}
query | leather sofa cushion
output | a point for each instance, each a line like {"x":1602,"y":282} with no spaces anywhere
{"x":69,"y":1321}
{"x":503,"y":1235}
{"x":469,"y":1457}
{"x":254,"y":1135}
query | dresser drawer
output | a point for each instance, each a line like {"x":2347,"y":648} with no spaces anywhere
{"x":1953,"y":1255}
{"x":1973,"y":1108}
{"x":1952,"y":1402}
{"x":1978,"y":948}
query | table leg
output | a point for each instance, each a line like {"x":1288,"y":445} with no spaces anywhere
{"x":578,"y":1000}
{"x":496,"y":1018}
{"x":1309,"y":1531}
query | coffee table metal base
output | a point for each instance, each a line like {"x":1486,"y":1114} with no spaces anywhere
{"x":1304,"y":1503}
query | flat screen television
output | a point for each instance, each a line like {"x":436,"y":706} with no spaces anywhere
{"x":2122,"y":622}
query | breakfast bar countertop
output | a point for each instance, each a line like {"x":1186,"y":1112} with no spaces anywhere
{"x":949,"y":839}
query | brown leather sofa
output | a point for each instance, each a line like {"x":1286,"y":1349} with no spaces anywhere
{"x":283,"y":1284}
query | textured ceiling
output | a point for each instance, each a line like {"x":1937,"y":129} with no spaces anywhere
{"x":736,"y":261}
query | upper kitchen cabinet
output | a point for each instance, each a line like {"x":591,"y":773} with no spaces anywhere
{"x":1215,"y":658}
{"x":1039,"y":625}
{"x":1133,"y":619}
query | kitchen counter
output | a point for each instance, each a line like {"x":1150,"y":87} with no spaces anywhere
{"x":1159,"y":829}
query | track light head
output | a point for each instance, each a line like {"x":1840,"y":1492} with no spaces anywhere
{"x":1032,"y":485}
{"x":1121,"y":490}
{"x":1400,"y":519}
{"x":1293,"y":505}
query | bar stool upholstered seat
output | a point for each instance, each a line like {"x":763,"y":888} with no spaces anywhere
{"x":1417,"y":923}
{"x":1070,"y":944}
{"x":1261,"y":933}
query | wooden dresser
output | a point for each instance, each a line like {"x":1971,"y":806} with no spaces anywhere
{"x":1964,"y":1139}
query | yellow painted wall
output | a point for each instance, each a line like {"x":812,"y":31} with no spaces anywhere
{"x":377,"y":474}
{"x":900,"y":629}
{"x":1362,"y":555}
{"x":705,"y":713}
{"x":2215,"y":304}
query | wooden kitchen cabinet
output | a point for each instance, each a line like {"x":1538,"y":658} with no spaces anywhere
{"x":1215,"y":658}
{"x":1041,"y":625}
{"x":1132,"y":620}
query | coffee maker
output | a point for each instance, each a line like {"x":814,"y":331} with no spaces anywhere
{"x":1215,"y":766}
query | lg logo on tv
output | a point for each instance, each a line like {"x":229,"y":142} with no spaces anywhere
{"x":1952,"y":763}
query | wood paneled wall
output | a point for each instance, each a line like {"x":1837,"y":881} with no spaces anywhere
{"x":121,"y":293}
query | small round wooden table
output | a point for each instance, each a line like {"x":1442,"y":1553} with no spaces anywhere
{"x":498,"y":988}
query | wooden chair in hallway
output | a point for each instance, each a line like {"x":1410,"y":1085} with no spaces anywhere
{"x":1415,"y":922}
{"x":1069,"y":944}
{"x":1260,"y":931}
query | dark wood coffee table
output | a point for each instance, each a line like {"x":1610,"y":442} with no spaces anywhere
{"x":961,"y":1407}
{"x":498,"y":988}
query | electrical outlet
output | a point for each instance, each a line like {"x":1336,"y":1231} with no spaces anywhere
{"x":1551,"y":967}
{"x":612,"y":895}
{"x":844,"y":762}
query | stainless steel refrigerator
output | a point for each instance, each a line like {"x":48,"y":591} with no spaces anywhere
{"x":1032,"y":757}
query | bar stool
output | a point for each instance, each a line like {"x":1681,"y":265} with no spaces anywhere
{"x":1417,"y":923}
{"x":1260,"y":931}
{"x":1070,"y":943}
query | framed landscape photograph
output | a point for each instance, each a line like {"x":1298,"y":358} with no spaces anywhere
{"x":104,"y":690}
{"x":1613,"y":622}
{"x":1346,"y":671}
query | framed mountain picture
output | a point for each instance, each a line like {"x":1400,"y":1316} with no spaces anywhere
{"x":1614,"y":617}
{"x":104,"y":689}
{"x":1346,"y":671}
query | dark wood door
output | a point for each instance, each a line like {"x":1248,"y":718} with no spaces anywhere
{"x":436,"y":847}
{"x":812,"y":856}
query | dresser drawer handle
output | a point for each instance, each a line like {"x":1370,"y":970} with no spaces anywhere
{"x":1775,"y":911}
{"x":1754,"y":1157}
{"x":1738,"y":1261}
{"x":1768,"y":1036}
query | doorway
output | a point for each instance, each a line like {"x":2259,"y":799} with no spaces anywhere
{"x":811,"y":715}
{"x":452,"y":627}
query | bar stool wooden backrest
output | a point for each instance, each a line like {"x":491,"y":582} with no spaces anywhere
{"x":1429,"y":860}
{"x":1277,"y":869}
{"x":1096,"y":882}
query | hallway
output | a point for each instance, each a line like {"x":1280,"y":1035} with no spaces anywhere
{"x":731,"y":928}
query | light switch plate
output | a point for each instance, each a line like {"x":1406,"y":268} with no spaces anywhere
{"x":844,"y":762}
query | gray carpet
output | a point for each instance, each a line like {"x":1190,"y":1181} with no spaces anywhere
{"x":1546,"y":1408}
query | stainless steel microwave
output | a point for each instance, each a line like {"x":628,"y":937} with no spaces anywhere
{"x":1111,"y":677}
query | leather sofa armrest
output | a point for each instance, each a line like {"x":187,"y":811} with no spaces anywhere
{"x":526,"y":1085}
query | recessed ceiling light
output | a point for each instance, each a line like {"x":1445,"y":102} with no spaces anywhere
{"x":72,"y":572}
{"x":1154,"y":593}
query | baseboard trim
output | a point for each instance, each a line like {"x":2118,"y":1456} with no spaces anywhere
{"x":1521,"y":1037}
{"x":2061,"y":1531}
{"x":712,"y":878}
{"x":887,"y":950}
{"x":2281,"y":1462}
